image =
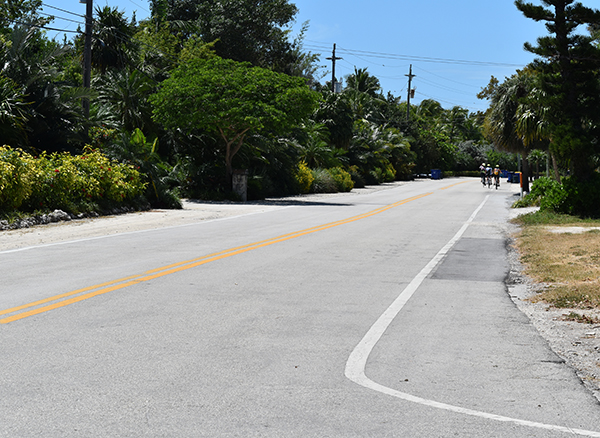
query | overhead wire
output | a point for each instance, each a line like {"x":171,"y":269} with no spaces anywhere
{"x":62,"y":10}
{"x":62,"y":18}
{"x":41,"y":26}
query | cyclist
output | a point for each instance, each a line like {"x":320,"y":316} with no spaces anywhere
{"x":488,"y":175}
{"x":482,"y":173}
{"x":496,"y":172}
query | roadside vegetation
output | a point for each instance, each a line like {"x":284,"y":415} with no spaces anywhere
{"x":566,"y":263}
{"x":197,"y":92}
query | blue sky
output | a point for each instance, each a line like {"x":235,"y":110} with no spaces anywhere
{"x":454,"y":46}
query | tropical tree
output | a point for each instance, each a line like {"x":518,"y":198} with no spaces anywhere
{"x":508,"y":104}
{"x":53,"y":110}
{"x":314,"y":148}
{"x":568,"y":65}
{"x":335,"y":113}
{"x":13,"y":116}
{"x":112,"y":42}
{"x":243,"y":30}
{"x":231,"y":100}
{"x":363,"y":82}
{"x":21,"y":12}
{"x":125,"y":93}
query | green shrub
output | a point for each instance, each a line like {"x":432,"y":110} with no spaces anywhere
{"x":572,"y":197}
{"x":323,"y":182}
{"x":74,"y":184}
{"x":374,"y":177}
{"x":545,"y":192}
{"x":304,"y":178}
{"x":83,"y":183}
{"x":388,"y":173}
{"x":356,"y":176}
{"x":16,"y":182}
{"x":342,"y":179}
{"x":581,"y":198}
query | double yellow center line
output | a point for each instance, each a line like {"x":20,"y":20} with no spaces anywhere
{"x":62,"y":300}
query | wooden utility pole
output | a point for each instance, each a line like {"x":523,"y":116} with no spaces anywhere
{"x":410,"y":92}
{"x":333,"y":59}
{"x":87,"y":54}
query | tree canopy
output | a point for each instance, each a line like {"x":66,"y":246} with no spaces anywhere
{"x":231,"y":100}
{"x":568,"y":64}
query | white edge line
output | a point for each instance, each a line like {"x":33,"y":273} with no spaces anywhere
{"x":357,"y":361}
{"x":126,"y":233}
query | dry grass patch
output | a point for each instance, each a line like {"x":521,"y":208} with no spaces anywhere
{"x":569,"y":264}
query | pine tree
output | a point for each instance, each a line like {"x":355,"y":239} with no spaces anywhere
{"x":568,"y":64}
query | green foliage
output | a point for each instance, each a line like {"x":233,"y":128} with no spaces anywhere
{"x":16,"y":179}
{"x":581,"y":198}
{"x":231,"y":100}
{"x":324,"y":182}
{"x":546,"y":189}
{"x":13,"y":117}
{"x":304,"y":177}
{"x":547,"y":217}
{"x":75,"y":184}
{"x":83,"y":183}
{"x":356,"y":175}
{"x":135,"y":149}
{"x":246,"y":31}
{"x":567,"y":71}
{"x":342,"y":179}
{"x":572,"y":197}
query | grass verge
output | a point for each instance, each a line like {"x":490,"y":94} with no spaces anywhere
{"x":567,"y":262}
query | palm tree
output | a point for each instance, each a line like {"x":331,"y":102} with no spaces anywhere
{"x":315,"y":150}
{"x":53,"y":111}
{"x":125,"y":94}
{"x":13,"y":116}
{"x":112,"y":43}
{"x":508,"y":105}
{"x":363,"y":82}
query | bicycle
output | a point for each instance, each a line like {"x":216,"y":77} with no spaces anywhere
{"x":497,"y":182}
{"x":489,"y":181}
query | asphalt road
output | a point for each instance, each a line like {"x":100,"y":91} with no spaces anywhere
{"x":379,"y":315}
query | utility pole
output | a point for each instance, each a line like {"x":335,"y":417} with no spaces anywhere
{"x":87,"y":54}
{"x":411,"y":93}
{"x":333,"y":59}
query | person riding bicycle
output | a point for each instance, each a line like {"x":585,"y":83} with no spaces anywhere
{"x":482,"y":173}
{"x":496,"y":172}
{"x":488,"y":174}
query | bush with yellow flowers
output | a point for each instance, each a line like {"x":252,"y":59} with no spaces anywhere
{"x":73,"y":183}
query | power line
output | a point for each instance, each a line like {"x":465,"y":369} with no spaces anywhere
{"x":446,"y":79}
{"x":454,"y":90}
{"x":39,"y":26}
{"x":422,"y":58}
{"x":61,"y":18}
{"x":63,"y":10}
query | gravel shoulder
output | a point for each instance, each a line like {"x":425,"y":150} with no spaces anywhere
{"x":578,"y":344}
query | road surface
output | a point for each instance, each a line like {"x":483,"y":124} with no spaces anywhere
{"x":379,"y":315}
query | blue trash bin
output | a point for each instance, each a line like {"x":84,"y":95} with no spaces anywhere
{"x":436,"y":174}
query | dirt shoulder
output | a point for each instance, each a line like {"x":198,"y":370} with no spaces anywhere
{"x":578,"y":344}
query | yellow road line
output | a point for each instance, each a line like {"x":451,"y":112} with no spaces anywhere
{"x":453,"y":185}
{"x":99,"y":289}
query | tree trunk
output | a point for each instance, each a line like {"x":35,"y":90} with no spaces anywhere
{"x":555,"y":167}
{"x":230,"y":151}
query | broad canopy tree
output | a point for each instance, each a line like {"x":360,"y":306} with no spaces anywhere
{"x":231,"y":100}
